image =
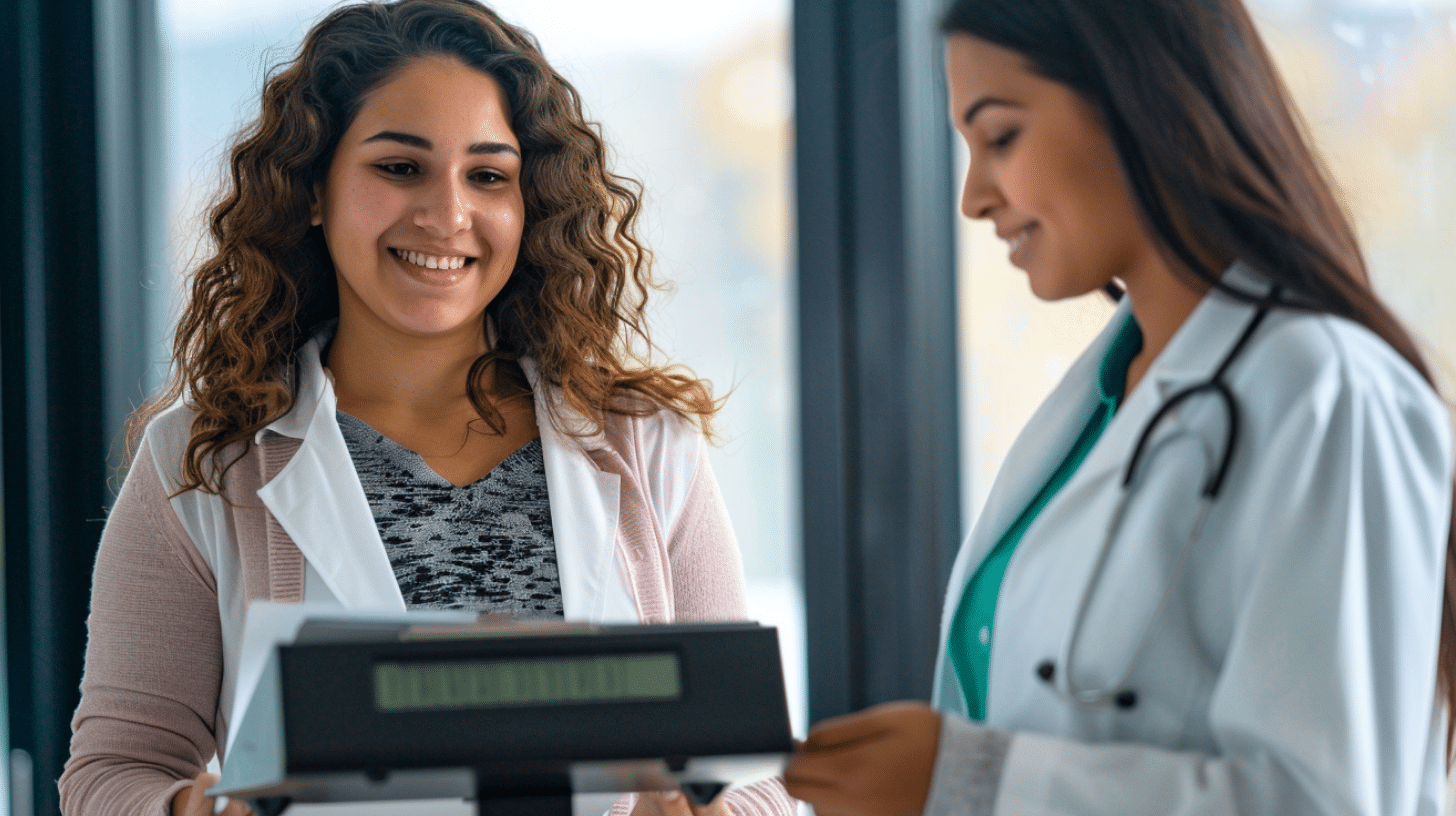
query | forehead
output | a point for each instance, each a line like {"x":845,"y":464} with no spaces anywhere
{"x":440,"y":94}
{"x":977,"y":68}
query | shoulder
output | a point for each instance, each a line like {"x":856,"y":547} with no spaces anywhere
{"x":1328,"y":358}
{"x":165,"y":441}
{"x":1331,"y":374}
{"x":665,"y":451}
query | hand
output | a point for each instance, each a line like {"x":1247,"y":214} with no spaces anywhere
{"x":194,"y":801}
{"x":875,"y":762}
{"x":673,"y":803}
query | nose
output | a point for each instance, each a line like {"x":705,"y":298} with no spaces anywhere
{"x":443,"y":209}
{"x":979,"y":195}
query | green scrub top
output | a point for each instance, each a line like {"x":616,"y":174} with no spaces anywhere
{"x":973,"y":626}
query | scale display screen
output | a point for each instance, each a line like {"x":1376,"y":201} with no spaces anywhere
{"x":473,"y":684}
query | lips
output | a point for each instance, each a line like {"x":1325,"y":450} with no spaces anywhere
{"x":432,"y":261}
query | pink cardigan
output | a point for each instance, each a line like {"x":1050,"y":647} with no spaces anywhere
{"x":150,"y":720}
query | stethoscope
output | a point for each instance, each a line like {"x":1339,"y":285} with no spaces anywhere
{"x":1118,"y":693}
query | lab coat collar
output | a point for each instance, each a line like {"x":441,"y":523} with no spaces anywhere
{"x":585,"y":503}
{"x":1207,"y":335}
{"x":330,"y":521}
{"x":323,"y":510}
{"x":1189,"y":357}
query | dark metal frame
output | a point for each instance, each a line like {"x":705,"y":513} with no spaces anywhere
{"x":877,"y":363}
{"x":70,"y":323}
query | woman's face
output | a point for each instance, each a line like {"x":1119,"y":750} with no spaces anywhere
{"x":1043,"y":170}
{"x":422,"y":208}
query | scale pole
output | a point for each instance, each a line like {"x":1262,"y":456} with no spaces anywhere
{"x":533,"y":805}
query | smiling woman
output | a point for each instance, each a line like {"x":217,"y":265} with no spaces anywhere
{"x":411,"y":374}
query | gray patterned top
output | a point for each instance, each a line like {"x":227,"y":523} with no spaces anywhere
{"x":487,"y":546}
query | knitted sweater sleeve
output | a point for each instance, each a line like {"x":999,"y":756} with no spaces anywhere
{"x":707,"y":578}
{"x":147,"y":721}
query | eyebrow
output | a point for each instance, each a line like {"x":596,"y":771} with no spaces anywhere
{"x":981,"y":105}
{"x":411,"y":140}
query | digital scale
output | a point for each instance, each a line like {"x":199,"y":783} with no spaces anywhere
{"x":516,"y":717}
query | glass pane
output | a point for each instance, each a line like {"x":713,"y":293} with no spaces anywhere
{"x":1376,"y":81}
{"x":695,"y":103}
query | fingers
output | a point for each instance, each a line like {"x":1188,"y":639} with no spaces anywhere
{"x":193,"y":800}
{"x":237,"y":808}
{"x":674,"y":803}
{"x":876,"y":762}
{"x":848,"y":730}
{"x":842,"y":731}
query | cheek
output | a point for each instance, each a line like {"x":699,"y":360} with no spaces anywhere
{"x":359,"y":212}
{"x":504,"y":222}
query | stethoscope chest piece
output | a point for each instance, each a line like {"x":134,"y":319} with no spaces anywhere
{"x":1124,"y":699}
{"x":1117,"y":694}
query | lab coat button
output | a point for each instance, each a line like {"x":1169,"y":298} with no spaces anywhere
{"x":1046,"y":670}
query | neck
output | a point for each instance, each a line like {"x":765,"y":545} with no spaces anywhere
{"x":424,"y":376}
{"x":1161,"y":301}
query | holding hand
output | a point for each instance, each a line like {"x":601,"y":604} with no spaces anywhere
{"x":673,"y":803}
{"x":876,"y":762}
{"x":194,"y":801}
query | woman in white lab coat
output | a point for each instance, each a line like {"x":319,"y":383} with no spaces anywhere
{"x":412,"y":374}
{"x":1212,"y":576}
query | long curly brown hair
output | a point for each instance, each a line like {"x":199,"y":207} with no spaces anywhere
{"x":575,"y":302}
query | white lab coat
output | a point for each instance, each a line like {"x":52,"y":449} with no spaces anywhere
{"x":1292,"y":670}
{"x":330,"y":521}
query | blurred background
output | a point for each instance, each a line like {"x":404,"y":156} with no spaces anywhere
{"x":801,"y":189}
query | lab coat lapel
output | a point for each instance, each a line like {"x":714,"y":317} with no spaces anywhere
{"x":1041,"y":444}
{"x":585,"y":503}
{"x":1036,"y":452}
{"x":1190,"y":357}
{"x":323,"y":510}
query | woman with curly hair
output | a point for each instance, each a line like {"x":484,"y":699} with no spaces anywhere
{"x":414,"y":374}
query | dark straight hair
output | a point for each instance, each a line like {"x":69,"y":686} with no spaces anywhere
{"x":1217,"y":160}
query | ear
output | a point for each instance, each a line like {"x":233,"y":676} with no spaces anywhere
{"x":316,"y":210}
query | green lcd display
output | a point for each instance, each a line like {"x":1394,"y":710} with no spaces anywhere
{"x":416,"y":686}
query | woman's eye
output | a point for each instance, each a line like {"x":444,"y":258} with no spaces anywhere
{"x":1004,"y":140}
{"x":487,"y":177}
{"x":397,"y":168}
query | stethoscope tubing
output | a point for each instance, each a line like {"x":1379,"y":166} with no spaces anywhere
{"x":1118,"y":693}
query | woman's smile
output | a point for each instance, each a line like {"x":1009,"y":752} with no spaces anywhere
{"x":431,"y":261}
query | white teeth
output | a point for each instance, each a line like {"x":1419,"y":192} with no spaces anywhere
{"x":1014,"y":242}
{"x":431,"y":261}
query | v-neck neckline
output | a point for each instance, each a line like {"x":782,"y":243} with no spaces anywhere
{"x":417,"y":465}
